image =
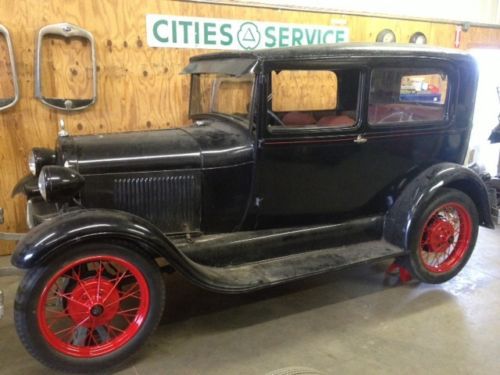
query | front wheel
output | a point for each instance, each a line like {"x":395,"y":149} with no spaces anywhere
{"x":89,"y":309}
{"x":443,"y":237}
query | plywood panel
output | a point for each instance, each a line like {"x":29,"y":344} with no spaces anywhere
{"x":139,"y":87}
{"x":6,"y":83}
{"x":481,"y":37}
{"x":66,"y":68}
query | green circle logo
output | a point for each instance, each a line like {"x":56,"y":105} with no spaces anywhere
{"x":248,"y":36}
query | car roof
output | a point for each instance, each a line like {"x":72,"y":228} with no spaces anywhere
{"x":239,"y":63}
{"x":325,"y":50}
{"x":339,"y":49}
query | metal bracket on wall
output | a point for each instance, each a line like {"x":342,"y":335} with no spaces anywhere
{"x":64,"y":30}
{"x":9,"y":102}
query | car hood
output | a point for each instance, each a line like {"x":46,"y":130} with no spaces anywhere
{"x":213,"y":144}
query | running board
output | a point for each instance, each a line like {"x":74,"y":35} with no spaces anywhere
{"x":257,"y":275}
{"x":246,"y":261}
{"x":237,"y":248}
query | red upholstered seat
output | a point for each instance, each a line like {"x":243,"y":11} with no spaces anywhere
{"x":341,"y":120}
{"x":298,"y":118}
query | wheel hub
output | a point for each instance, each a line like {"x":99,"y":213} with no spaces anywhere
{"x":95,"y":301}
{"x":440,"y":235}
{"x":97,"y":310}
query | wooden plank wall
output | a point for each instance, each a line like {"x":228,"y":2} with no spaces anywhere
{"x":139,"y":87}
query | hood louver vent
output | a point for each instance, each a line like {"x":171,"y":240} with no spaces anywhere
{"x":172,"y":202}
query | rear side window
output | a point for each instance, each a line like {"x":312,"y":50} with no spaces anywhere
{"x":311,"y":99}
{"x":399,"y":96}
{"x":304,"y":90}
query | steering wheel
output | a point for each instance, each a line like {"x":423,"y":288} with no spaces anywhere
{"x":275,"y":117}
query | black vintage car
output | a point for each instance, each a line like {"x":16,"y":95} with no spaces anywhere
{"x":298,"y":161}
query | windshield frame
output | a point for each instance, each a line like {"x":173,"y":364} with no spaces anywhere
{"x":195,"y":79}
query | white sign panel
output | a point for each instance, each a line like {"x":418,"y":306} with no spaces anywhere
{"x":215,"y":33}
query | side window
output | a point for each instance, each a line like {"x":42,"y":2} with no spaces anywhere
{"x":311,"y":99}
{"x":407,"y":96}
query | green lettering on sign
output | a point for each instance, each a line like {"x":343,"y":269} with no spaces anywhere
{"x":225,"y":30}
{"x":156,"y":25}
{"x":326,"y":35}
{"x":311,"y":36}
{"x":230,"y":34}
{"x":209,"y":33}
{"x":340,"y":36}
{"x":297,"y":37}
{"x":271,"y":39}
{"x":185,"y":28}
{"x":284,"y":37}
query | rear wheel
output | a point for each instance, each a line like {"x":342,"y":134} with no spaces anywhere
{"x":443,"y":237}
{"x":89,"y":309}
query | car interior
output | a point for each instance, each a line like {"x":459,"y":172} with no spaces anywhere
{"x":314,"y":98}
{"x":395,"y":97}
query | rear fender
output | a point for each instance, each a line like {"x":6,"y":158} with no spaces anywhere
{"x":421,"y":191}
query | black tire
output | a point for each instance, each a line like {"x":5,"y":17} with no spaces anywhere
{"x":144,"y":276}
{"x":421,"y":230}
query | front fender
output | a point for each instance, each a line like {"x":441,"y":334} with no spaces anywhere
{"x":51,"y":237}
{"x":421,"y":190}
{"x":44,"y":240}
{"x":27,"y":185}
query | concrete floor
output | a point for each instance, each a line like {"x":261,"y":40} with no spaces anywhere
{"x":349,"y":322}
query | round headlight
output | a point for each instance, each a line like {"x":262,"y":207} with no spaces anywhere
{"x":59,"y":184}
{"x":42,"y":185}
{"x":32,"y":163}
{"x":40,"y":157}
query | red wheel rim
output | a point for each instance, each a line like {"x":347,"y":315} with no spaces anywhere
{"x":446,"y":237}
{"x":93,"y":306}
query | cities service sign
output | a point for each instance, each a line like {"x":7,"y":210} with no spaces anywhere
{"x":215,"y":33}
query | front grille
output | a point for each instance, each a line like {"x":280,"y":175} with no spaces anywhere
{"x":171,"y":201}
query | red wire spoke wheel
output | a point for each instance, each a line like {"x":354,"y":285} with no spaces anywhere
{"x":446,"y":238}
{"x":443,"y":236}
{"x":93,"y":306}
{"x":89,"y":308}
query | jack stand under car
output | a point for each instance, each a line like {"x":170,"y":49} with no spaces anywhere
{"x":397,"y":268}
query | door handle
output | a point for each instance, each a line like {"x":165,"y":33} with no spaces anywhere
{"x":360,"y":139}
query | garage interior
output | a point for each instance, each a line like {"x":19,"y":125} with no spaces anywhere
{"x":358,"y":320}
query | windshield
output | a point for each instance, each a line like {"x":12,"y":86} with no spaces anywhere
{"x":221,"y":94}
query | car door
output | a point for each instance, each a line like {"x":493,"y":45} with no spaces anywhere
{"x":333,"y":170}
{"x":310,"y":164}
